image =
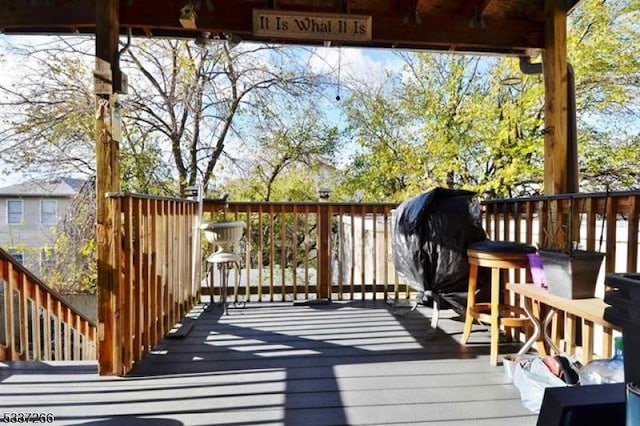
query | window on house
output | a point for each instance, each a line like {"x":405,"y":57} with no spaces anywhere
{"x":48,"y":212}
{"x":14,"y":212}
{"x":18,"y":255}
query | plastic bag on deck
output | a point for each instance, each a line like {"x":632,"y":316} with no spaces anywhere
{"x":532,"y":377}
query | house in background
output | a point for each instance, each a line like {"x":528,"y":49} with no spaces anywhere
{"x":30,"y":213}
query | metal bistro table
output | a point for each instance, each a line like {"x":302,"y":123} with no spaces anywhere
{"x":590,"y":311}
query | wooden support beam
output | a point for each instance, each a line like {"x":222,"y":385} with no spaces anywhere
{"x":107,"y":180}
{"x":555,"y":112}
{"x":441,"y":29}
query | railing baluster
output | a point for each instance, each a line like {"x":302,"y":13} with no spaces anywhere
{"x":11,"y":314}
{"x":76,"y":343}
{"x":506,"y":223}
{"x":260,"y":234}
{"x":591,"y":213}
{"x":529,"y":209}
{"x":46,"y":327}
{"x":3,"y":315}
{"x":173,"y":256}
{"x":306,"y":252}
{"x":24,"y":317}
{"x":517,"y":222}
{"x":283,"y":255}
{"x":130,"y":246}
{"x":67,"y":333}
{"x":386,"y":254}
{"x":57,"y":331}
{"x":497,"y":215}
{"x":144,"y":250}
{"x":374,"y":282}
{"x":37,"y":333}
{"x":271,"y":253}
{"x":352,"y":259}
{"x":18,"y":323}
{"x":612,"y":222}
{"x":152,"y":322}
{"x":247,"y":257}
{"x":294,"y":252}
{"x":165,"y":241}
{"x":363,"y":239}
{"x":632,"y":235}
{"x":341,"y":239}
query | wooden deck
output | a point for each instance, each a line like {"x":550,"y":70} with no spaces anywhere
{"x":343,"y":363}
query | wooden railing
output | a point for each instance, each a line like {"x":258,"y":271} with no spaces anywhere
{"x":38,"y":324}
{"x":157,"y":279}
{"x":312,"y":250}
{"x":300,"y":251}
{"x":605,"y":222}
{"x":343,"y":251}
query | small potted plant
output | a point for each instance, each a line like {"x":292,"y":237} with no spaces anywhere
{"x":570,"y":272}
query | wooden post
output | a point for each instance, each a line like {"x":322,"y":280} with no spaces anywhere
{"x":107,"y":180}
{"x":324,"y":252}
{"x":555,"y":85}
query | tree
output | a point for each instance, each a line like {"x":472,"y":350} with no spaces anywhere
{"x":297,"y":146}
{"x":183,"y":106}
{"x":446,"y":121}
{"x":195,"y":99}
{"x":74,"y":257}
{"x":388,"y":159}
{"x":477,"y":123}
{"x":604,"y":49}
{"x":46,"y":111}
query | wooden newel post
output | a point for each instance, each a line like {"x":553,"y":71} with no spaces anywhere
{"x":556,"y":143}
{"x":556,"y":99}
{"x":324,"y":252}
{"x":107,"y":180}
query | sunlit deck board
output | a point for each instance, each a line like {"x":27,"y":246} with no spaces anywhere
{"x":344,"y":363}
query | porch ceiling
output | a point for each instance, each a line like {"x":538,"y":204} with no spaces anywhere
{"x":491,"y":26}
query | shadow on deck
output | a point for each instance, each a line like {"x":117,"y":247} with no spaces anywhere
{"x":274,"y":363}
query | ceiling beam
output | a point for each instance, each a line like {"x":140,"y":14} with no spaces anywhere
{"x":160,"y":18}
{"x":21,"y":13}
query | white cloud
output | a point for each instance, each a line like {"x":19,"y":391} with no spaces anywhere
{"x":356,"y":64}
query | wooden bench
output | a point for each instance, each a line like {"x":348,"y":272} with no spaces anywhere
{"x":587,"y":313}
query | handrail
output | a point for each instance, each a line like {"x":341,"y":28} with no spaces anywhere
{"x":153,"y":246}
{"x":37,"y":323}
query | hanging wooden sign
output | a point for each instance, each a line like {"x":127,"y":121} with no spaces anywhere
{"x":311,"y":26}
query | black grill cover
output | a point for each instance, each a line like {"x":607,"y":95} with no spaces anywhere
{"x":431,"y":233}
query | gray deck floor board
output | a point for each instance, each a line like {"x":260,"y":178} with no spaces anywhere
{"x":344,"y":363}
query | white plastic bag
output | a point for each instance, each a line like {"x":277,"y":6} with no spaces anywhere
{"x":531,"y":377}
